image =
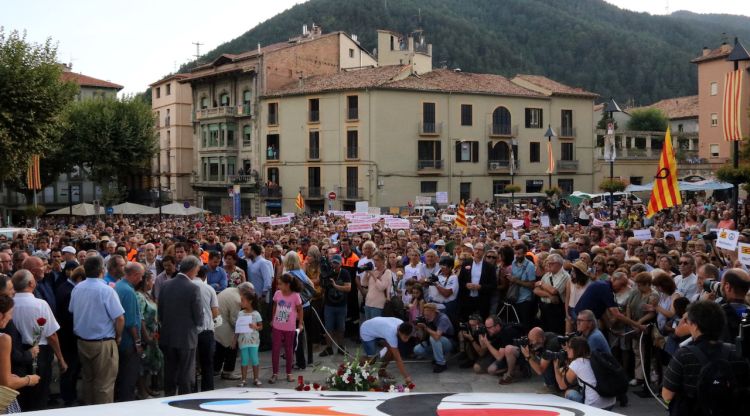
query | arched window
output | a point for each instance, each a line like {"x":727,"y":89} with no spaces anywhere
{"x":501,"y":121}
{"x":204,"y":103}
{"x":224,"y":99}
{"x":499,"y":152}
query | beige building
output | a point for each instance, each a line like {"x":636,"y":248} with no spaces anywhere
{"x":387,"y":134}
{"x":172,"y":167}
{"x":225,"y":112}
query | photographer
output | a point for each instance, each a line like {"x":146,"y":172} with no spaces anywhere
{"x":443,"y":288}
{"x":579,"y":370}
{"x":467,"y":339}
{"x":493,"y":337}
{"x":734,"y":288}
{"x":336,"y":286}
{"x":532,"y":349}
{"x":438,"y":332}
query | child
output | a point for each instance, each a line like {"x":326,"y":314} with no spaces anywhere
{"x":287,"y":317}
{"x":248,"y":342}
{"x":417,"y":302}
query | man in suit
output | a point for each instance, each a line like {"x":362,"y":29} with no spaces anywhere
{"x":68,"y":341}
{"x":477,"y":279}
{"x":180,"y":313}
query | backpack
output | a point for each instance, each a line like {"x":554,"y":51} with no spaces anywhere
{"x":307,"y":291}
{"x":611,"y":378}
{"x":719,"y":392}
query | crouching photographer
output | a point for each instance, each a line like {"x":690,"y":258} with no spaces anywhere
{"x":468,"y":340}
{"x":577,"y":379}
{"x":438,"y":333}
{"x":532,"y":349}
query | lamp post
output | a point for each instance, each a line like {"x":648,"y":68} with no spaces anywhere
{"x":611,"y":107}
{"x":739,"y":53}
{"x":549,"y":135}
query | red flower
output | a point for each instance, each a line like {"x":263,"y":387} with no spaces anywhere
{"x":350,"y":379}
{"x":307,"y":387}
{"x":411,"y":386}
{"x":340,"y":372}
{"x":371,"y":379}
{"x":298,"y":388}
{"x":41,"y":321}
{"x":316,"y":386}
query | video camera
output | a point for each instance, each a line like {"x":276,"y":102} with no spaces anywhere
{"x":365,"y":267}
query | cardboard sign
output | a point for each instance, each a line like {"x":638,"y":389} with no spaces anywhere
{"x":263,"y":220}
{"x":441,"y":197}
{"x":395,"y":210}
{"x":642,"y":235}
{"x":448,"y":217}
{"x":544,"y":221}
{"x":600,"y":223}
{"x":675,"y":234}
{"x":422,"y":200}
{"x":398,"y":225}
{"x":515,"y":223}
{"x":359,"y":228}
{"x":289,"y":214}
{"x":727,"y":239}
{"x":373,"y":210}
{"x":280,"y":221}
{"x":361,"y":206}
{"x":744,"y":253}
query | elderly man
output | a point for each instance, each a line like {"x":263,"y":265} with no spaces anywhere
{"x":552,"y":293}
{"x":181,"y":315}
{"x":98,"y":321}
{"x":44,"y":288}
{"x":687,"y":281}
{"x":6,"y":263}
{"x":150,"y":261}
{"x":206,"y":344}
{"x":115,"y":269}
{"x":69,"y":254}
{"x":28,"y":312}
{"x":225,"y":357}
{"x":439,"y":337}
{"x":477,"y":280}
{"x":130,"y":348}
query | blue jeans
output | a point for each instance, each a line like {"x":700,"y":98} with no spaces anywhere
{"x":334,"y":318}
{"x":371,"y":312}
{"x":437,"y":347}
{"x":371,"y":347}
{"x":574,"y":395}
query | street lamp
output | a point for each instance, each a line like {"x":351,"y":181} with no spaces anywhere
{"x":611,"y":107}
{"x":549,"y":135}
{"x":739,"y":53}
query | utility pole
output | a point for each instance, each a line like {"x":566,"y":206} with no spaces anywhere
{"x":197,"y":50}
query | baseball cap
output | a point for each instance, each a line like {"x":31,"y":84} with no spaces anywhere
{"x":440,"y":243}
{"x":336,"y":258}
{"x":69,"y":249}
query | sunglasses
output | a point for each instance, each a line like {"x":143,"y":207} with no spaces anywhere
{"x":491,"y":257}
{"x":611,"y":265}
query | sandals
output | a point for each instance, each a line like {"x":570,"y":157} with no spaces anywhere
{"x":257,"y":383}
{"x":506,"y":379}
{"x":242,"y":383}
{"x":273,"y":379}
{"x":289,"y":378}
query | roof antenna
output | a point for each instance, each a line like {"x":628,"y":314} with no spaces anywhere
{"x":197,"y":50}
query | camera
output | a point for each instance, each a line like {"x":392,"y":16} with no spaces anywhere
{"x":482,"y":330}
{"x":710,"y":236}
{"x":420,"y":320}
{"x":563,"y":339}
{"x":521,"y":342}
{"x":463,"y":326}
{"x":432,"y":279}
{"x":555,"y":355}
{"x":365,"y":268}
{"x":713,"y":286}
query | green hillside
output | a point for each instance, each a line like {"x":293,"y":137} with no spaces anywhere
{"x":586,"y":43}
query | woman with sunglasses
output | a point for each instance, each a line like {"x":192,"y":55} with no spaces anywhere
{"x":599,"y":268}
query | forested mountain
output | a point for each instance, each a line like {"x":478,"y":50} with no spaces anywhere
{"x":635,"y":57}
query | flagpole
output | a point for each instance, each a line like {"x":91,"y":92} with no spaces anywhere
{"x":736,"y":164}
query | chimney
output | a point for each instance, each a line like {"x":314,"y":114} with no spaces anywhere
{"x":304,"y":29}
{"x":300,"y":80}
{"x":706,"y":51}
{"x":354,"y":37}
{"x":258,"y":48}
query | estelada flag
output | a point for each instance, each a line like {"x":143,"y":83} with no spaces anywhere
{"x":550,"y":159}
{"x":732,"y":108}
{"x":461,"y":216}
{"x":666,"y":191}
{"x":33,"y":177}
{"x":300,"y":202}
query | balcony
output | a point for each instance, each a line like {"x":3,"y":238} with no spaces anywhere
{"x":313,"y":153}
{"x":567,"y":165}
{"x":352,"y":114}
{"x":566,"y":132}
{"x":429,"y":166}
{"x":270,"y":191}
{"x":312,"y":192}
{"x":215,"y":112}
{"x":498,"y":166}
{"x":273,"y":119}
{"x":244,"y":110}
{"x":241,"y":179}
{"x":352,"y":153}
{"x":167,"y":121}
{"x":430,"y":129}
{"x":351,"y":193}
{"x":631,"y":153}
{"x":313,"y":116}
{"x":502,"y":130}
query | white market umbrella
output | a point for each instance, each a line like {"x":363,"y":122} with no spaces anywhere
{"x":129,"y":208}
{"x":79,"y":210}
{"x":175,"y":208}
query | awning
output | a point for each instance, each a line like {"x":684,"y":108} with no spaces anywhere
{"x":707,"y":185}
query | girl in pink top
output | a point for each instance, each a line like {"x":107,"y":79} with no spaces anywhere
{"x":287,"y":317}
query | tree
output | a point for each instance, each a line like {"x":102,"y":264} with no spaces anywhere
{"x":111,"y":139}
{"x":648,"y":119}
{"x":32,"y":99}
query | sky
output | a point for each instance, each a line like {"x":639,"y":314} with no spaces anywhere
{"x":136,"y":42}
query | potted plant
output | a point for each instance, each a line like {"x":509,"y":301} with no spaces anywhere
{"x":553,"y":191}
{"x":512,"y":189}
{"x":735,"y":176}
{"x":612,"y":185}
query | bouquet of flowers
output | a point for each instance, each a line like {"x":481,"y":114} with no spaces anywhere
{"x":40,"y":322}
{"x":354,"y":375}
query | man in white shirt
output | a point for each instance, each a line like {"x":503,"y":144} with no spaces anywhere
{"x":443,"y":293}
{"x":368,"y":249}
{"x":206,"y":344}
{"x":687,"y":281}
{"x":381,"y":330}
{"x":430,"y":265}
{"x":37,"y":326}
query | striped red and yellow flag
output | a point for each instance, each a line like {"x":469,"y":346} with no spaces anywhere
{"x":732,"y":106}
{"x":33,"y":176}
{"x":461,"y":216}
{"x":300,"y":202}
{"x":666,"y":192}
{"x":551,"y":157}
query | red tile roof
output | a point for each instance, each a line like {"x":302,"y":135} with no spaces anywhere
{"x":446,"y":80}
{"x":342,"y":80}
{"x":554,"y":87}
{"x":678,"y":107}
{"x":87,"y":81}
{"x":721,"y":52}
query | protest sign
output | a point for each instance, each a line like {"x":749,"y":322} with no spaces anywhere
{"x":544,"y":221}
{"x":263,"y":220}
{"x":642,"y":235}
{"x":727,"y":239}
{"x":744,"y":253}
{"x":361,"y":206}
{"x":515,"y":223}
{"x":359,"y":228}
{"x":600,"y":223}
{"x":280,"y":221}
{"x":441,"y":197}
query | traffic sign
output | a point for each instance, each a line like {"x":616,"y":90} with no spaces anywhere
{"x":332,"y":196}
{"x":110,"y":211}
{"x":186,"y":204}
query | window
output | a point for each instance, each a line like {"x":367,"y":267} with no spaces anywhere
{"x":714,"y":150}
{"x":465,"y":191}
{"x":352,"y":144}
{"x":213,"y":135}
{"x":313,"y":141}
{"x":428,"y":118}
{"x":222,"y":134}
{"x":566,"y":151}
{"x":352,"y":182}
{"x":466,"y":116}
{"x":273,"y":176}
{"x":204,"y":103}
{"x":428,"y":187}
{"x":680,"y":128}
{"x":230,"y":135}
{"x":467,"y":151}
{"x":273,"y":113}
{"x":566,"y":121}
{"x":534,"y":118}
{"x":158,"y":119}
{"x":534,"y":185}
{"x":158,"y":92}
{"x":224,"y":99}
{"x":247,"y":99}
{"x":351,"y":53}
{"x":313,"y":181}
{"x":714,"y":88}
{"x":214,"y":169}
{"x":636,"y":180}
{"x":501,"y":122}
{"x":169,"y":89}
{"x":247,"y":135}
{"x":566,"y":185}
{"x":314,"y":108}
{"x":272,"y":146}
{"x":231,"y":165}
{"x":498,"y":187}
{"x":429,"y":154}
{"x":352,"y":105}
{"x":714,"y":119}
{"x":534,"y":152}
{"x":167,"y":119}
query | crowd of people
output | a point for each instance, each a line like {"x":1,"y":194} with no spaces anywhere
{"x":137,"y":307}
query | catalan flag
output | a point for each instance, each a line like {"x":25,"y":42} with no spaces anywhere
{"x":666,"y":192}
{"x":732,"y":108}
{"x":300,"y":202}
{"x":33,"y":177}
{"x":461,"y":216}
{"x":551,"y":161}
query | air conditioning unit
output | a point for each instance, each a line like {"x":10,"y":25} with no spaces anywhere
{"x":494,"y":165}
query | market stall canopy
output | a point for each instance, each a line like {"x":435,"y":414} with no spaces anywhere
{"x":707,"y":185}
{"x":129,"y":208}
{"x":578,"y":196}
{"x":175,"y":208}
{"x":79,"y":210}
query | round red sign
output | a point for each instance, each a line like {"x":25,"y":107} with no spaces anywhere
{"x":332,"y":196}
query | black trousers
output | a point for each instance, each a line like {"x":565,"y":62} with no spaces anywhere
{"x":553,"y":317}
{"x":37,"y":397}
{"x":526,"y":312}
{"x":225,"y":359}
{"x":69,"y":379}
{"x":469,"y":305}
{"x":178,"y":363}
{"x":128,"y":371}
{"x":206,"y":349}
